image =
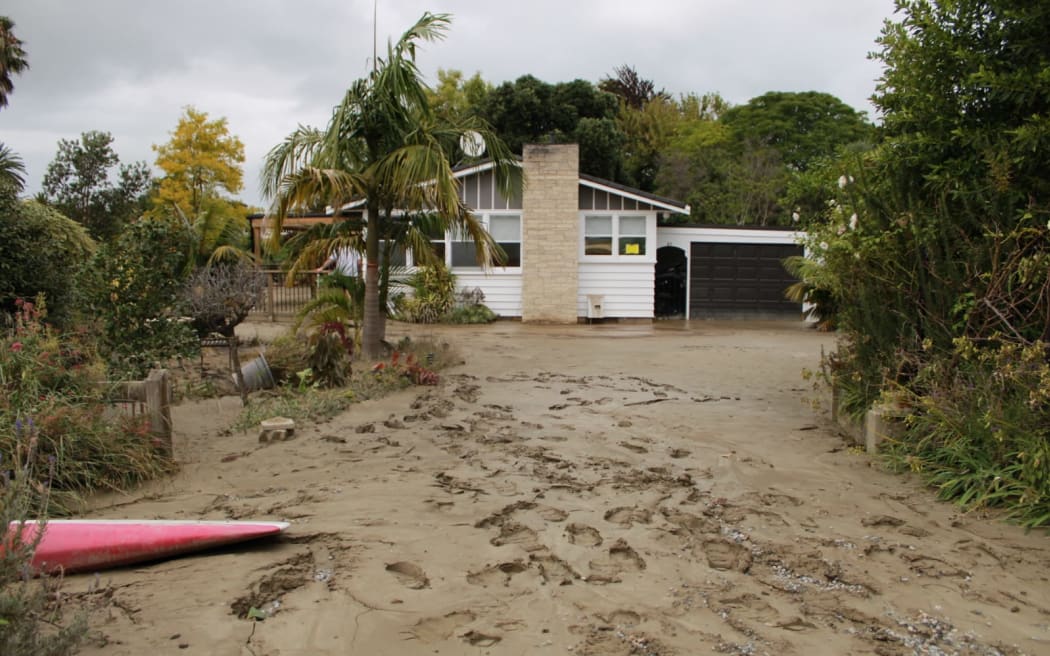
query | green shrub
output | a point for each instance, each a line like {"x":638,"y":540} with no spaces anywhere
{"x":287,"y":356}
{"x":980,"y":430}
{"x":472,"y":314}
{"x":433,"y":296}
{"x":330,"y":353}
{"x":42,"y":252}
{"x":50,"y":387}
{"x":136,"y":291}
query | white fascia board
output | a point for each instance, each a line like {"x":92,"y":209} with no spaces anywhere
{"x":638,"y":197}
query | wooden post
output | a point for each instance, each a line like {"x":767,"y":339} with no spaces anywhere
{"x":238,"y":377}
{"x":158,"y":405}
{"x":270,"y":296}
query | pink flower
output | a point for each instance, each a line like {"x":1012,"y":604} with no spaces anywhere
{"x":16,"y":346}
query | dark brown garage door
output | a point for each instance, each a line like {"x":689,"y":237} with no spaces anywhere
{"x":740,"y":278}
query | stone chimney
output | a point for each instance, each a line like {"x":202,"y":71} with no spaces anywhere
{"x":550,"y":233}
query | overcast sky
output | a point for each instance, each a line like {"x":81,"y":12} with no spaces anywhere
{"x":129,"y":67}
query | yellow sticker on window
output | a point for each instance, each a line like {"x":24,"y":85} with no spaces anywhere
{"x":632,"y":249}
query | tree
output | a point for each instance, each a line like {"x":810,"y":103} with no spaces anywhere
{"x":42,"y":252}
{"x":78,"y":183}
{"x":386,"y":145}
{"x":938,"y":252}
{"x":135,"y":289}
{"x":454,"y":96}
{"x":529,"y":110}
{"x":201,"y":160}
{"x":659,"y":128}
{"x":635,"y":91}
{"x":12,"y":173}
{"x":800,"y":126}
{"x":12,"y":59}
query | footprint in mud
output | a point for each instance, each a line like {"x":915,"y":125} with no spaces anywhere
{"x":287,"y":576}
{"x":479,"y":639}
{"x":583,"y":535}
{"x":500,"y":574}
{"x":515,"y":533}
{"x":637,"y":448}
{"x":551,"y":514}
{"x":432,"y":629}
{"x":501,"y":516}
{"x":626,"y":516}
{"x":553,"y":569}
{"x":690,"y":523}
{"x":468,"y":392}
{"x":621,"y":618}
{"x":726,"y":555}
{"x":409,"y":575}
{"x":621,"y":559}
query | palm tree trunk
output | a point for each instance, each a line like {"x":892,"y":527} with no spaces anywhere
{"x":373,"y":328}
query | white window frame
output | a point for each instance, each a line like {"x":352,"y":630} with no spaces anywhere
{"x":485,"y":219}
{"x":615,"y":256}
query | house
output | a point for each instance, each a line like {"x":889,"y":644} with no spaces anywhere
{"x":579,"y":247}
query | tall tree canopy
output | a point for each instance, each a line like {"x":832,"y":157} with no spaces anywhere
{"x":12,"y":58}
{"x":385,"y":144}
{"x":801,"y":126}
{"x":200,"y":161}
{"x":79,"y":183}
{"x":634,"y":90}
{"x":455,"y":96}
{"x":529,"y":110}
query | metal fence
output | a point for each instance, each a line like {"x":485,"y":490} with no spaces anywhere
{"x":281,"y":298}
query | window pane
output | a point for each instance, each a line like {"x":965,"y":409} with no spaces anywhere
{"x":632,"y":226}
{"x":598,"y":245}
{"x":598,"y":226}
{"x":505,"y":228}
{"x":513,"y":251}
{"x":632,"y":245}
{"x":397,"y":258}
{"x":439,"y":249}
{"x":464,"y":254}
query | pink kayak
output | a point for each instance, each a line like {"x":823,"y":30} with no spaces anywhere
{"x":78,"y":545}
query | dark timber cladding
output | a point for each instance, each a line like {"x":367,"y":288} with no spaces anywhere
{"x":740,"y":278}
{"x":480,"y":192}
{"x":597,"y":199}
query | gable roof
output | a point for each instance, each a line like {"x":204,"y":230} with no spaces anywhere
{"x":593,"y":182}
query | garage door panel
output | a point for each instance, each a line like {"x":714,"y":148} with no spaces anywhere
{"x":744,"y":278}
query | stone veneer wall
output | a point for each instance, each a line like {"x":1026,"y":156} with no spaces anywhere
{"x":550,"y":233}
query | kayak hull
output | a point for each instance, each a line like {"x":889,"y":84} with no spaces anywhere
{"x":80,"y":545}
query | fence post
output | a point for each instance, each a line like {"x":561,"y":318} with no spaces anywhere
{"x":158,"y":405}
{"x":270,"y":296}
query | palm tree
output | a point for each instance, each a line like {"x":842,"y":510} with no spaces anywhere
{"x":12,"y":58}
{"x":384,"y":144}
{"x":12,"y":172}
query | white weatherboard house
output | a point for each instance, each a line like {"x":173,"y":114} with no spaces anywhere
{"x":579,"y":248}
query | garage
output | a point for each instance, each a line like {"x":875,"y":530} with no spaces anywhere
{"x":740,"y":279}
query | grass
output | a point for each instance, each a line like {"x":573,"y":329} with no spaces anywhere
{"x":367,"y":381}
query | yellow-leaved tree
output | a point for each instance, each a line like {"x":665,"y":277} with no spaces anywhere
{"x":202,"y":162}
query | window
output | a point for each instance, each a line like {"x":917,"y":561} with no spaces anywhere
{"x":437,"y":242}
{"x":506,"y":230}
{"x":397,"y":257}
{"x":623,"y":235}
{"x":598,"y":235}
{"x":464,"y":252}
{"x":632,"y":235}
